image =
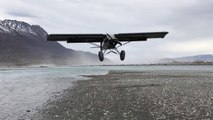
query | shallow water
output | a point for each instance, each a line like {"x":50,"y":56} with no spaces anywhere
{"x":23,"y":90}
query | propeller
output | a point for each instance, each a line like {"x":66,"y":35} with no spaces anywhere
{"x":109,"y":36}
{"x":114,"y":39}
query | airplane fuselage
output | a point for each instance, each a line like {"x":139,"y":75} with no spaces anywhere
{"x":109,"y":44}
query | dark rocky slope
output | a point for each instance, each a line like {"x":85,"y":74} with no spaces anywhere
{"x":23,"y":44}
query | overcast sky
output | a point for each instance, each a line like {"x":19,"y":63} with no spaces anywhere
{"x":189,"y":23}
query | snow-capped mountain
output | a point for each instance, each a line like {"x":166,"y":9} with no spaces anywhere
{"x":13,"y":25}
{"x":25,"y":44}
{"x":188,"y":59}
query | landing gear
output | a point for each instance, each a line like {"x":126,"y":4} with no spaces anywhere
{"x":122,"y":55}
{"x":101,"y":55}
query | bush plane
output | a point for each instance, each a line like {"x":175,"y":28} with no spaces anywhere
{"x":109,"y":43}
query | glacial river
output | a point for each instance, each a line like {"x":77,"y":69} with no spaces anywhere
{"x":24,"y":90}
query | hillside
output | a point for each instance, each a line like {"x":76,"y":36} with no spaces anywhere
{"x":206,"y":58}
{"x":24,"y":44}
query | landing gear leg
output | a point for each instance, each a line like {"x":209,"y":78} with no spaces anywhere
{"x":101,"y":55}
{"x":122,"y":55}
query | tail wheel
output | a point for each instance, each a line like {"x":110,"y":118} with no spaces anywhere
{"x":122,"y":55}
{"x":101,"y":55}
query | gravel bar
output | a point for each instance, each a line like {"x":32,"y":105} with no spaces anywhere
{"x":135,"y":96}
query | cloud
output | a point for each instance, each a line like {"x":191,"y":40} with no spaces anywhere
{"x":192,"y":21}
{"x":197,"y":46}
{"x":186,"y":20}
{"x":22,"y":14}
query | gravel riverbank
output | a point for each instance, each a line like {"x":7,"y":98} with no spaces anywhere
{"x":135,"y":96}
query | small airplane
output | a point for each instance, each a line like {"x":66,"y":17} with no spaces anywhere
{"x":108,"y":43}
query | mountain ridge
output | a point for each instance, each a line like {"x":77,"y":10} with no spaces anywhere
{"x":205,"y":58}
{"x":24,"y":44}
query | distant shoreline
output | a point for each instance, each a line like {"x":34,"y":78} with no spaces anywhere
{"x":160,"y":64}
{"x":166,"y":64}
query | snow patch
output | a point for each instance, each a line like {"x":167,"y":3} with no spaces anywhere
{"x":18,"y":26}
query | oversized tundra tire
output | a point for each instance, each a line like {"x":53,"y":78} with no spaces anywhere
{"x":101,"y":55}
{"x":122,"y":55}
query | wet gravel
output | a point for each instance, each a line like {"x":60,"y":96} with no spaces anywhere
{"x":135,"y":96}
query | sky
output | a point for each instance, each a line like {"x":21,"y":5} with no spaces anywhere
{"x":189,"y":23}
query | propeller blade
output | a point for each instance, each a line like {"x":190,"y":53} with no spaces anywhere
{"x":109,"y":36}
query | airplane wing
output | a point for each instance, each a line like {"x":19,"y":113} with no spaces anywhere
{"x":76,"y":38}
{"x":86,"y":38}
{"x":139,"y":36}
